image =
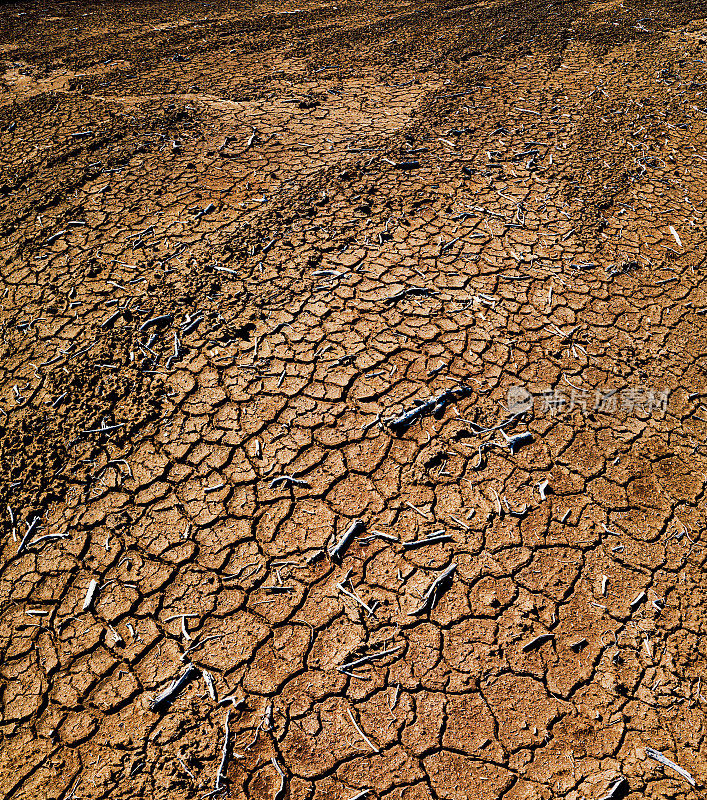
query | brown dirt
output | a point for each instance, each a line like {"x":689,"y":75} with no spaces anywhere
{"x":557,"y":143}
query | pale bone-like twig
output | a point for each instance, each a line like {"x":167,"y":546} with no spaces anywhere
{"x":352,"y":595}
{"x":218,"y":785}
{"x":370,"y":657}
{"x":280,"y":793}
{"x":361,"y":733}
{"x":434,"y":591}
{"x":666,"y":762}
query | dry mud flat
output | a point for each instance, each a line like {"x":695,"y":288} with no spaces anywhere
{"x":242,"y":250}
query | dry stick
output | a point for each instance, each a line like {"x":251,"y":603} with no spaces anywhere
{"x":378,"y":535}
{"x":28,"y":535}
{"x":49,"y":537}
{"x":675,"y":235}
{"x":238,"y":704}
{"x":369,"y":657}
{"x":200,"y":644}
{"x":513,"y":512}
{"x":480,"y":429}
{"x":165,"y":699}
{"x":434,"y":591}
{"x":516,"y":442}
{"x":415,"y":543}
{"x":156,"y":322}
{"x":666,"y":762}
{"x":209,"y":681}
{"x":415,"y":508}
{"x":280,"y":793}
{"x":361,"y":733}
{"x":617,"y":788}
{"x":341,"y":588}
{"x":537,"y":642}
{"x":73,"y":790}
{"x":90,"y":593}
{"x":435,"y":405}
{"x":288,"y":480}
{"x":336,"y":553}
{"x":268,"y":722}
{"x":105,"y":429}
{"x":224,"y":754}
{"x":108,"y":321}
{"x":186,"y":769}
{"x":117,"y":638}
{"x":403,"y":422}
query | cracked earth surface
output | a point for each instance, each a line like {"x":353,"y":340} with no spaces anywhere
{"x":238,"y":244}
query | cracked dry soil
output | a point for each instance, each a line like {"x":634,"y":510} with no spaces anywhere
{"x":238,"y":244}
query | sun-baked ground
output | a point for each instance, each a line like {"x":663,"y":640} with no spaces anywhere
{"x":239,"y":244}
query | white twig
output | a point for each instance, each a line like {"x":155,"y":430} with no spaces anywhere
{"x":361,"y":733}
{"x":415,"y":508}
{"x":370,"y":657}
{"x":666,"y":762}
{"x":280,"y":793}
{"x":224,"y":754}
{"x":352,"y":595}
{"x":209,"y":681}
{"x":90,"y":594}
{"x":677,"y":239}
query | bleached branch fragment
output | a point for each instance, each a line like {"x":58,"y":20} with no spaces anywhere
{"x":666,"y":762}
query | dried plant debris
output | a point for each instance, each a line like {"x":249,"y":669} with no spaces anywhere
{"x":164,"y":699}
{"x":352,"y":400}
{"x":666,"y":762}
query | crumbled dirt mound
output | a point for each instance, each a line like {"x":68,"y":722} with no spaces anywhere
{"x":354,"y":355}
